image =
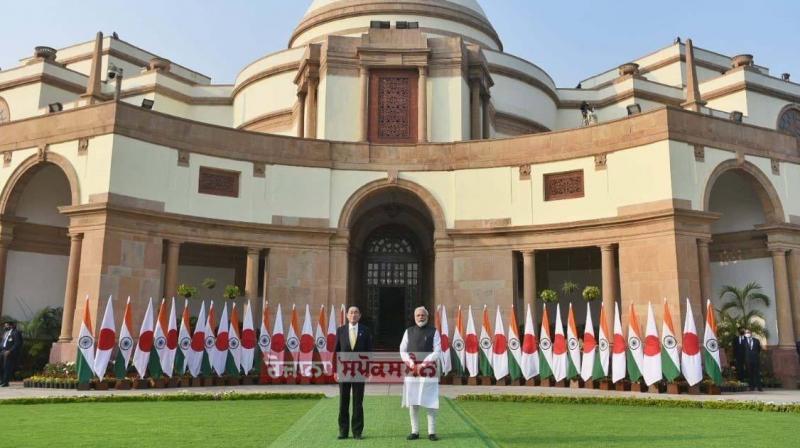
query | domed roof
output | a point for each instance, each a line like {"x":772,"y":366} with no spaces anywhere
{"x":469,"y":4}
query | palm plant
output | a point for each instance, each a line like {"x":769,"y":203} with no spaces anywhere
{"x":738,"y":308}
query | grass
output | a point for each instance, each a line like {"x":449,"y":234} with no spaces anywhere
{"x":312,"y":423}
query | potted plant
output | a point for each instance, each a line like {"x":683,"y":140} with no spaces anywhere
{"x":590,"y":293}
{"x":548,"y":296}
{"x":231,"y":292}
{"x":187,"y":291}
{"x":569,"y":287}
{"x":209,"y":283}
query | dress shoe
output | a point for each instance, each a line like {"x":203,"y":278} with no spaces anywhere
{"x":4,"y":385}
{"x":358,"y":436}
{"x":342,"y":436}
{"x":432,"y":437}
{"x":412,"y":436}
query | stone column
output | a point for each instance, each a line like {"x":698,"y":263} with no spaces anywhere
{"x":784,"y":356}
{"x":609,"y":279}
{"x":251,"y":273}
{"x":311,"y":131}
{"x":71,"y":291}
{"x":301,"y":119}
{"x":3,"y":262}
{"x":704,"y":266}
{"x":529,"y":281}
{"x":422,"y":105}
{"x":794,"y":288}
{"x":475,"y":109}
{"x":485,"y":112}
{"x":171,"y":269}
{"x":364,"y":78}
{"x":266,"y":276}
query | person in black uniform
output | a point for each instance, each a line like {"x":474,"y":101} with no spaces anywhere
{"x":352,"y":337}
{"x":738,"y":355}
{"x":752,"y":352}
{"x":10,"y":351}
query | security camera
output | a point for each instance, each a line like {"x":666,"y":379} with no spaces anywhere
{"x":113,"y":71}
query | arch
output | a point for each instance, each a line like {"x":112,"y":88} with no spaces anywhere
{"x":767,"y":195}
{"x":24,"y":173}
{"x":5,"y":111}
{"x":794,"y":107}
{"x":356,"y":199}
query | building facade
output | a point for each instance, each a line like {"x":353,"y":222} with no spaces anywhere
{"x":393,"y":156}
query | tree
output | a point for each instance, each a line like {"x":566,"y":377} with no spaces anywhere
{"x":738,"y":310}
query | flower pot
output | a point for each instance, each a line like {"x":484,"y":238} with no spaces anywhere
{"x":486,"y":380}
{"x":84,"y":386}
{"x":174,"y":382}
{"x":673,"y":389}
{"x":100,"y":385}
{"x":654,"y":389}
{"x":208,"y":381}
{"x":141,"y":383}
{"x":532,"y":382}
{"x":159,"y":383}
{"x":501,"y":382}
{"x":248,"y":380}
{"x":713,"y":389}
{"x":233,"y":381}
{"x":575,"y":384}
{"x":546,"y":382}
{"x":219,"y":381}
{"x":446,"y":380}
{"x":622,"y":386}
{"x":589,"y":384}
{"x":472,"y":381}
{"x":693,"y":390}
{"x":604,"y":384}
{"x":123,"y":384}
{"x":560,"y":383}
{"x":638,"y":386}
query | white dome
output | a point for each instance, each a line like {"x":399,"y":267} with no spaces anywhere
{"x":470,"y":4}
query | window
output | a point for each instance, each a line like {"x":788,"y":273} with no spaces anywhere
{"x":789,"y":121}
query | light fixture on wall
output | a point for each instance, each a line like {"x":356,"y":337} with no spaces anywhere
{"x":634,"y":109}
{"x":55,"y":107}
{"x":736,"y":116}
{"x":147,"y":104}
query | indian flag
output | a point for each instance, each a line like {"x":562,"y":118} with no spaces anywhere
{"x":185,"y":354}
{"x":669,"y":347}
{"x":277,"y":346}
{"x":141,"y":357}
{"x":306,"y":345}
{"x":559,"y":349}
{"x":618,"y":358}
{"x":447,"y":364}
{"x":485,"y":355}
{"x":105,"y":341}
{"x":514,"y":346}
{"x":471,"y":345}
{"x":125,"y":344}
{"x":210,"y":341}
{"x":459,"y":349}
{"x":198,"y":345}
{"x":589,"y":346}
{"x":574,"y":355}
{"x":292,"y":340}
{"x":248,"y":340}
{"x":691,"y":366}
{"x":220,"y":354}
{"x":233,"y":362}
{"x":711,"y":347}
{"x":651,"y":364}
{"x":85,"y":360}
{"x":321,"y":341}
{"x":601,"y":362}
{"x":635,"y":354}
{"x":499,"y":348}
{"x":530,"y":348}
{"x":545,"y":346}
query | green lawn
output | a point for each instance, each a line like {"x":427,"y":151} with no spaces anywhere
{"x":312,"y":423}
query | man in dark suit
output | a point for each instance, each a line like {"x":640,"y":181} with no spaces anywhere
{"x":10,"y":351}
{"x":352,"y":337}
{"x":739,"y":355}
{"x":752,"y":352}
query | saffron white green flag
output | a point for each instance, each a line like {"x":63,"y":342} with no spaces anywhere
{"x":530,"y":348}
{"x":499,"y":348}
{"x":589,"y":346}
{"x":105,"y":341}
{"x":264,"y":341}
{"x":141,"y":357}
{"x":574,"y":349}
{"x":711,"y":347}
{"x":691,"y":365}
{"x":545,"y":346}
{"x":618,"y":360}
{"x":669,"y":347}
{"x":485,"y":341}
{"x":293,"y":340}
{"x":211,"y":340}
{"x":651,"y":363}
{"x":447,"y":364}
{"x":471,"y":345}
{"x":459,"y":345}
{"x":198,"y":346}
{"x":85,"y":361}
{"x":635,"y":353}
{"x":514,"y":347}
{"x":184,"y":356}
{"x":234,"y":361}
{"x":604,"y":348}
{"x":559,"y":349}
{"x":125,"y":343}
{"x":321,"y":341}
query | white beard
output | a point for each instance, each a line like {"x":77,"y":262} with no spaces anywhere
{"x":422,"y":324}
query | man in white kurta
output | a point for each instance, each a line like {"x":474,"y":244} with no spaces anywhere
{"x":423,"y":342}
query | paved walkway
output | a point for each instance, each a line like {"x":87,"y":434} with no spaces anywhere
{"x":16,"y":390}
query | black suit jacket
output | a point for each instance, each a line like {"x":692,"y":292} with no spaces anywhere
{"x":739,"y":348}
{"x":13,"y":344}
{"x":752,"y":354}
{"x":363,"y":339}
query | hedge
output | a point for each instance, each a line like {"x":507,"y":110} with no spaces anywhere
{"x":224,"y":396}
{"x":759,"y":406}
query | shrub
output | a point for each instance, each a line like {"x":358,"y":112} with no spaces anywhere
{"x":591,"y":293}
{"x":548,"y":296}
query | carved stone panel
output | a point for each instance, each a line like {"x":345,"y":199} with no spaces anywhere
{"x":393,"y":106}
{"x":564,"y":185}
{"x":83,"y":146}
{"x":788,"y":122}
{"x":218,"y":182}
{"x":525,"y":172}
{"x":5,"y":112}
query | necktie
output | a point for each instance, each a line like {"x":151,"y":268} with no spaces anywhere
{"x":352,"y":338}
{"x":751,"y":344}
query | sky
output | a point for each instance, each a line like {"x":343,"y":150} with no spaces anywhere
{"x":570,"y":40}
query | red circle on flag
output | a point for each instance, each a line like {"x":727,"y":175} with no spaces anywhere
{"x":172,"y":339}
{"x":499,"y":345}
{"x":445,"y":343}
{"x":619,"y":344}
{"x":106,"y":340}
{"x":652,"y":346}
{"x":248,"y":338}
{"x":691,"y":345}
{"x":529,"y":344}
{"x":306,"y":343}
{"x":278,"y":343}
{"x":198,"y":341}
{"x":331,"y":342}
{"x":589,"y":343}
{"x":222,"y":341}
{"x":146,"y":341}
{"x":472,"y":343}
{"x":559,"y":345}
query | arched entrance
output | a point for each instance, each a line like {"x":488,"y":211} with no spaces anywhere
{"x":390,"y":260}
